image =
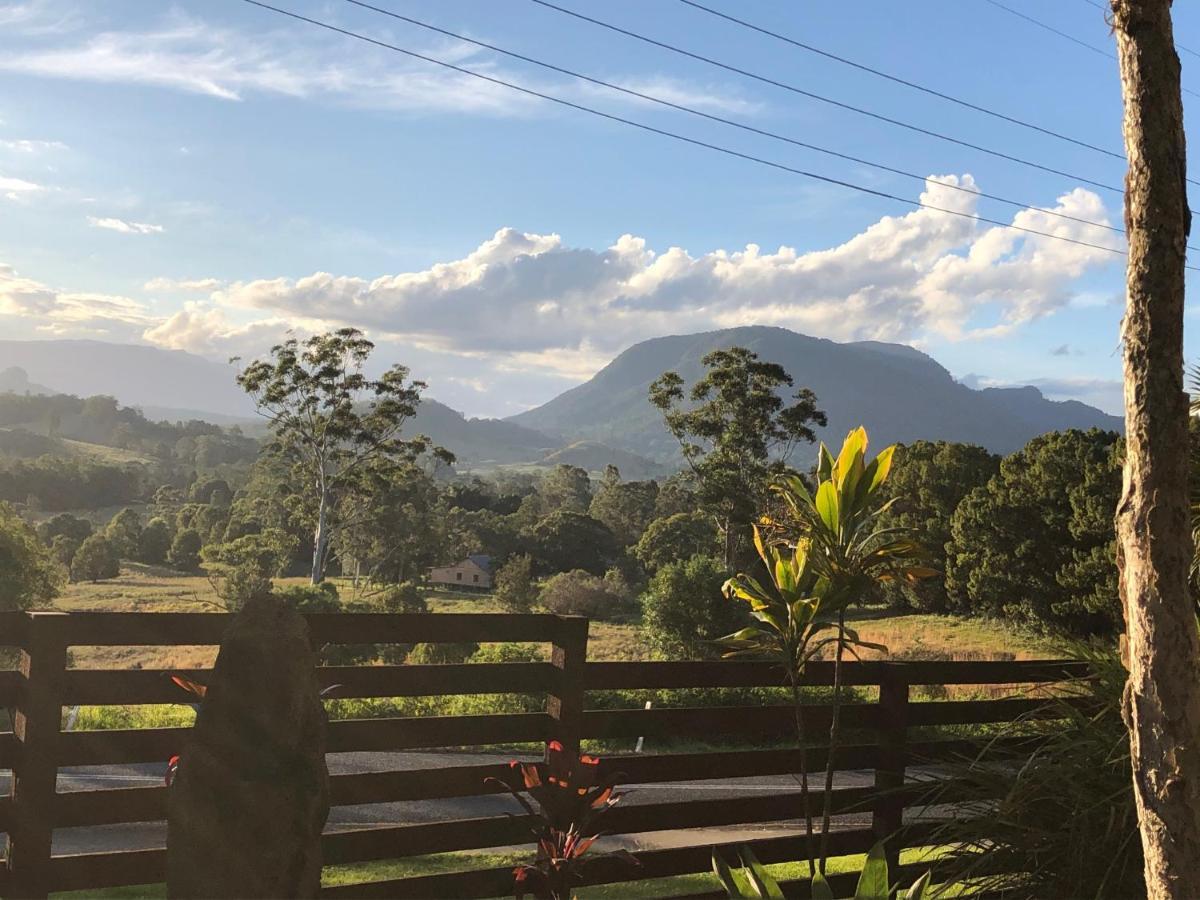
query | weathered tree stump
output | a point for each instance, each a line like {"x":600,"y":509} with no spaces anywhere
{"x":251,"y":795}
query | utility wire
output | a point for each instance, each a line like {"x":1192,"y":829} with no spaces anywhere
{"x":846,"y":106}
{"x":724,"y":121}
{"x":904,"y":81}
{"x":1070,"y":37}
{"x":675,"y":135}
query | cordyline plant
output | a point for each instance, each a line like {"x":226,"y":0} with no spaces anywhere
{"x":566,"y":797}
{"x":825,"y":554}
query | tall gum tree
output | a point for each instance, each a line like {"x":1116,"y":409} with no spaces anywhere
{"x":333,"y":424}
{"x":1153,"y":529}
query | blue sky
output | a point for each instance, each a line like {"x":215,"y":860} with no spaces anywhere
{"x":205,"y":175}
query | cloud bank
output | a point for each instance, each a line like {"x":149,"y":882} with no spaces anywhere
{"x":524,"y":303}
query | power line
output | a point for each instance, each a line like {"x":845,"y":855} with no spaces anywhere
{"x":676,"y":136}
{"x":846,"y":106}
{"x":904,"y":81}
{"x":1070,"y":37}
{"x":715,"y":118}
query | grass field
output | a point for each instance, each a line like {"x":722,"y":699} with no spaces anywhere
{"x":150,"y":589}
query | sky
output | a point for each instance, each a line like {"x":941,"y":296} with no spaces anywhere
{"x":207,"y":175}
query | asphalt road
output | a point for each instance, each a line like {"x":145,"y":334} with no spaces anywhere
{"x":149,"y":835}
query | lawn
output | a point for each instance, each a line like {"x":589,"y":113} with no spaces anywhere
{"x":451,"y":862}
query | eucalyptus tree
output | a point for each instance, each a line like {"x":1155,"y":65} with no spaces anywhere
{"x":735,"y":432}
{"x":332,"y":424}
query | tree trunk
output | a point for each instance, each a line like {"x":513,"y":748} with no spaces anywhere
{"x":1153,"y":528}
{"x":321,"y":539}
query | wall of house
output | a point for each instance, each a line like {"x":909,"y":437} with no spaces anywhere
{"x":462,"y":575}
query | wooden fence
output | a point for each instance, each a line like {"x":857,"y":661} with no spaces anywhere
{"x":38,"y":747}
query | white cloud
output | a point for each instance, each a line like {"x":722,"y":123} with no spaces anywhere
{"x":537,"y":301}
{"x":14,"y":188}
{"x":273,"y":57}
{"x":191,"y":286}
{"x":27,"y":146}
{"x":65,"y":313}
{"x":124,"y":227}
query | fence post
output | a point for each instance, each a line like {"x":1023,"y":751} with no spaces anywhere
{"x":36,"y":726}
{"x":565,"y":702}
{"x":887,"y":817}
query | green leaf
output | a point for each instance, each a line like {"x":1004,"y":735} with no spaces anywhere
{"x":873,"y":882}
{"x":883,"y":465}
{"x":721,"y":870}
{"x":764,"y":885}
{"x":919,"y":889}
{"x":827,"y":506}
{"x":820,"y":888}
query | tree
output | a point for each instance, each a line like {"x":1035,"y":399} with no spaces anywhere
{"x":185,"y":550}
{"x":1163,"y":693}
{"x":63,"y":548}
{"x":626,"y":507}
{"x":736,"y":434}
{"x":124,"y":532}
{"x":928,"y":480}
{"x":29,"y":572}
{"x":1035,"y":544}
{"x":242,"y":569}
{"x":567,"y":488}
{"x":331,"y":423}
{"x":65,"y":524}
{"x":95,"y":560}
{"x":154,"y":542}
{"x":684,"y":610}
{"x":675,"y":539}
{"x":571,"y":540}
{"x":514,"y":586}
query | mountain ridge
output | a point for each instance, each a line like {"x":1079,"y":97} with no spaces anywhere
{"x":898,"y":392}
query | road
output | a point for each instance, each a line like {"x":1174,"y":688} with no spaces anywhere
{"x":149,"y":835}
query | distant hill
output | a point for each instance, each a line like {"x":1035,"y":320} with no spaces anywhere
{"x":137,"y":375}
{"x":898,"y":393}
{"x":16,"y":380}
{"x":479,"y":442}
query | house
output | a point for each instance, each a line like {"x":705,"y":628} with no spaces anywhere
{"x":473,"y":573}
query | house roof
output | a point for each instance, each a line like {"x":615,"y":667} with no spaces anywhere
{"x":482,"y":560}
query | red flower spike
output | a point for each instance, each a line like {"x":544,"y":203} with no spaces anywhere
{"x":555,"y":747}
{"x":589,"y":760}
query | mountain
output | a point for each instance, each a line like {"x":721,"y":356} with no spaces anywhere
{"x":898,"y":393}
{"x":479,"y":442}
{"x":135,"y":374}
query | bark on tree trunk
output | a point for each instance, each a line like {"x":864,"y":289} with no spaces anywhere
{"x":320,"y":540}
{"x":1153,"y":529}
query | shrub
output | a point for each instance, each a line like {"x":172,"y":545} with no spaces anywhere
{"x":243,"y":568}
{"x":579,"y":593}
{"x":442,"y":653}
{"x":185,"y":550}
{"x":95,"y":560}
{"x":1066,"y":817}
{"x":683,"y":609}
{"x":405,"y":597}
{"x":321,"y":597}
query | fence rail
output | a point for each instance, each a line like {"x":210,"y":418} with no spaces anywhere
{"x":38,"y":748}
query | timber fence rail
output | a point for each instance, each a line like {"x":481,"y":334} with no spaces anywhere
{"x":38,"y":747}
